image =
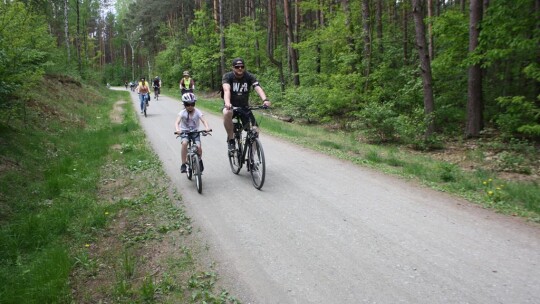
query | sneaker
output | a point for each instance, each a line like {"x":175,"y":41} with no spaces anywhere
{"x":231,"y":144}
{"x":183,"y":168}
{"x":201,"y":166}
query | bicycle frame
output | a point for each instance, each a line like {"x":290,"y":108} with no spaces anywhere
{"x":192,"y":166}
{"x":248,"y":149}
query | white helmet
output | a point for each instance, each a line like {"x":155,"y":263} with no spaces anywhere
{"x":188,"y":98}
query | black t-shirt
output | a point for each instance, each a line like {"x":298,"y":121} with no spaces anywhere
{"x":156,"y":82}
{"x":240,"y":87}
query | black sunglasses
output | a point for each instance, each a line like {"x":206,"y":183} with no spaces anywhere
{"x":238,"y":66}
{"x":189,"y":105}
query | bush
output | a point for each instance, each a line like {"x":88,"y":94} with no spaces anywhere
{"x":519,"y":117}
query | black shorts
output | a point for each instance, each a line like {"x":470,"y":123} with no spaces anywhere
{"x":245,"y":115}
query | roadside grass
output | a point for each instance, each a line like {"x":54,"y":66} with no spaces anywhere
{"x":86,"y":212}
{"x":484,"y":187}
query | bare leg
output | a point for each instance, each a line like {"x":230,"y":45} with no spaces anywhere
{"x":184,"y":151}
{"x":199,"y":150}
{"x":227,"y":123}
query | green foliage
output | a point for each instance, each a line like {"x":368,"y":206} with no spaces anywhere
{"x":508,"y":44}
{"x":242,"y":40}
{"x":380,"y":122}
{"x":300,"y":104}
{"x":327,"y":49}
{"x":203,"y":55}
{"x":507,"y":34}
{"x":449,"y":70}
{"x":518,"y":117}
{"x":24,"y":48}
{"x":170,"y":63}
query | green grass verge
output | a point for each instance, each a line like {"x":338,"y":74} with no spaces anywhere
{"x":83,"y":204}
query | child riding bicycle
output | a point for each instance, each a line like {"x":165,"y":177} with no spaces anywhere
{"x":188,"y":120}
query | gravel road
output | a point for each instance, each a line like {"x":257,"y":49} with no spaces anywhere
{"x":323,"y":230}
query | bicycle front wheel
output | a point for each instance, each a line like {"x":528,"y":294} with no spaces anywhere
{"x":144,"y":109}
{"x":235,"y":157}
{"x":256,"y":163}
{"x":189,"y":169}
{"x":197,"y":172}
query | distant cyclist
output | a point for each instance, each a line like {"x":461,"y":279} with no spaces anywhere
{"x":188,"y":120}
{"x":156,"y":83}
{"x":187,"y":84}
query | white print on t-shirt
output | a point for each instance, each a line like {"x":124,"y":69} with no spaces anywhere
{"x":242,"y":89}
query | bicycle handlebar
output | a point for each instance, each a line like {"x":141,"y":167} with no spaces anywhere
{"x":263,"y":107}
{"x":203,"y":132}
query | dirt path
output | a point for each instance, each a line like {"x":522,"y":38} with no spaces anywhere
{"x":325,"y":231}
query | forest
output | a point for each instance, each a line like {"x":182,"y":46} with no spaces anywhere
{"x":412,"y":72}
{"x":86,"y":211}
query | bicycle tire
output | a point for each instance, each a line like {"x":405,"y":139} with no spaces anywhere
{"x":256,"y":163}
{"x":197,"y":172}
{"x":144,"y":108}
{"x":189,"y":169}
{"x":235,"y":157}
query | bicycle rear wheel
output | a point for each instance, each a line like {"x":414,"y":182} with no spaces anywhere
{"x":235,"y":157}
{"x":256,"y":163}
{"x":197,"y":172}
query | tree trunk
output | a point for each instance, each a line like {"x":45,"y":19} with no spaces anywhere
{"x":347,"y":12}
{"x":290,"y":39}
{"x":66,"y":30}
{"x":378,"y":17}
{"x":425,"y":66}
{"x":430,"y":30}
{"x":132,"y":41}
{"x":78,"y":39}
{"x":405,"y":34}
{"x":474,"y":98}
{"x":320,"y":24}
{"x":366,"y":27}
{"x":222,"y":37}
{"x":270,"y":42}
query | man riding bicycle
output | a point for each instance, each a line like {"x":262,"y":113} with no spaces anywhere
{"x":157,"y":86}
{"x":236,"y":88}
